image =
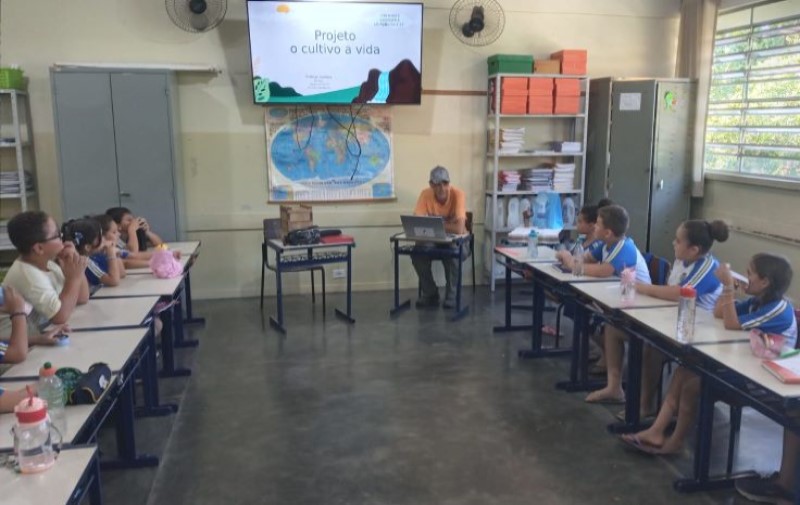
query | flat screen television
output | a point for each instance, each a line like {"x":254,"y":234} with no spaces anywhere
{"x":335,"y":52}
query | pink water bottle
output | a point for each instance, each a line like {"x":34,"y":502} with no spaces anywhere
{"x":627,"y":286}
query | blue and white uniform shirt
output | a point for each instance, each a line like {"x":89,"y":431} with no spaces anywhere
{"x":773,"y":317}
{"x":700,"y":275}
{"x":622,"y":255}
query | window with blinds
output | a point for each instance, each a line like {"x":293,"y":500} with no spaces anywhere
{"x":753,"y":123}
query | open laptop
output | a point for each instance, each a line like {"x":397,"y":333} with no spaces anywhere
{"x":424,"y":227}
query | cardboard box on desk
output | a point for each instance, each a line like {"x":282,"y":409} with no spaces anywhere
{"x":296,"y":217}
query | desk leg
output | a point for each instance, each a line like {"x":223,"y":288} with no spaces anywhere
{"x":537,"y":350}
{"x":126,"y":437}
{"x":278,"y":324}
{"x":398,"y":307}
{"x":633,"y":389}
{"x":508,"y":326}
{"x":187,"y":290}
{"x":181,"y":342}
{"x":149,"y":374}
{"x":348,"y":316}
{"x":95,"y":489}
{"x":173,"y":319}
{"x":460,"y":311}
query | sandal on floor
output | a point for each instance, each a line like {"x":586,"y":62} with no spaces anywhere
{"x":633,"y":441}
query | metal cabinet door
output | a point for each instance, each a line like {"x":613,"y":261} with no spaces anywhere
{"x":630,"y":167}
{"x":84,"y":124}
{"x":597,"y":142}
{"x":671,"y":151}
{"x":144,"y":148}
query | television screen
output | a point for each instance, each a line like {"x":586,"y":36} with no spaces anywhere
{"x":335,"y":52}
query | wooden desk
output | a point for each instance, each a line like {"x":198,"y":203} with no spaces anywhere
{"x":707,"y":329}
{"x":607,"y":294}
{"x":141,"y":285}
{"x":187,"y":248}
{"x":185,"y":259}
{"x":113,"y":348}
{"x":75,"y":474}
{"x":111,"y":313}
{"x":451,"y":247}
{"x":291,"y":258}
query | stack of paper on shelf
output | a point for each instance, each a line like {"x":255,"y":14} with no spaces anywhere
{"x":537,"y":179}
{"x":564,"y":177}
{"x":10,"y":183}
{"x":510,"y":142}
{"x":561,"y":146}
{"x":508,"y":180}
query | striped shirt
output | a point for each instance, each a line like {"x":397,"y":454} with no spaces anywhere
{"x":96,"y":269}
{"x":773,"y":317}
{"x":622,"y":255}
{"x":699,"y":275}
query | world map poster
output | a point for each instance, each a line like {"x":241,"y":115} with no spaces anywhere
{"x":329,"y":155}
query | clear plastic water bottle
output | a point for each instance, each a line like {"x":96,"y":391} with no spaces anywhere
{"x":51,"y":390}
{"x":33,"y":444}
{"x":627,"y":286}
{"x":687,"y":308}
{"x":577,"y":258}
{"x":533,"y":244}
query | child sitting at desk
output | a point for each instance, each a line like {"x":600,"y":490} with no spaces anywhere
{"x":14,"y":326}
{"x":134,"y":234}
{"x":104,"y":268}
{"x":618,"y":253}
{"x":48,"y":273}
{"x":694,"y":266}
{"x":766,"y":309}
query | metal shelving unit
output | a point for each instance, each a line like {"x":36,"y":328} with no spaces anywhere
{"x":571,"y":127}
{"x":16,"y":133}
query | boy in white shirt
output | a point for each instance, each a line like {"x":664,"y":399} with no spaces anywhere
{"x":48,"y":274}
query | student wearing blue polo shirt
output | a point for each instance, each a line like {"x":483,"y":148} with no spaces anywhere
{"x":618,"y":253}
{"x":105,"y":262}
{"x":86,"y":235}
{"x":767,"y":310}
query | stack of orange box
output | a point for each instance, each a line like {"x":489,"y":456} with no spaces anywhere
{"x":514,"y":95}
{"x":540,"y":95}
{"x":573,"y":61}
{"x":567,"y":96}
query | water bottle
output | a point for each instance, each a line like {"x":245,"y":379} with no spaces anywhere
{"x":577,"y":258}
{"x":687,"y":308}
{"x":51,"y":390}
{"x":533,"y":244}
{"x":627,"y":286}
{"x":33,"y":444}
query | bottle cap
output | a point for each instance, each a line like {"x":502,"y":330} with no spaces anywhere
{"x":31,"y":410}
{"x":688,"y":292}
{"x":47,"y":370}
{"x":533,"y":234}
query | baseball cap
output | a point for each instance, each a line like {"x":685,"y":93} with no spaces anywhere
{"x":439,"y":175}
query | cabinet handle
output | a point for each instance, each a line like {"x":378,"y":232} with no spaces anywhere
{"x":661,"y":184}
{"x":124,"y":193}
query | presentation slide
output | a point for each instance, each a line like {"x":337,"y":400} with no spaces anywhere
{"x":335,"y":52}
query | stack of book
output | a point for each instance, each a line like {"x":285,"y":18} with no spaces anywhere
{"x":537,"y":179}
{"x":510,"y":142}
{"x":564,"y":177}
{"x":508,"y":180}
{"x":11,"y":185}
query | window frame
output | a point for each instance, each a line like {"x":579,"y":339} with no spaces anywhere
{"x":792,"y":183}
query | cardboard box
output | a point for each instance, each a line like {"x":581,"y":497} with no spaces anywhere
{"x":540,"y":104}
{"x":514,"y":83}
{"x":568,"y":87}
{"x":296,"y":217}
{"x":567,"y":105}
{"x":510,"y":64}
{"x":573,"y":61}
{"x":513,"y":105}
{"x":546,"y":67}
{"x":540,"y":86}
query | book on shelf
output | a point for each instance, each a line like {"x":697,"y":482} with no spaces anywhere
{"x":786,"y":370}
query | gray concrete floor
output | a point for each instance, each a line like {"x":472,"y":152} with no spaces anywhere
{"x":416,"y":410}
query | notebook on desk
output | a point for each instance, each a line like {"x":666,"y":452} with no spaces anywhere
{"x":786,"y":370}
{"x":424,"y":227}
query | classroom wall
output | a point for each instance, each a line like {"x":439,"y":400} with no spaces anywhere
{"x":222,"y":137}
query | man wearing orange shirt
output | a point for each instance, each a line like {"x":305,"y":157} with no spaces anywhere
{"x":440,"y":199}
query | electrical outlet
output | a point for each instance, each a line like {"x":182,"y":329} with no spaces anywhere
{"x":339,"y":273}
